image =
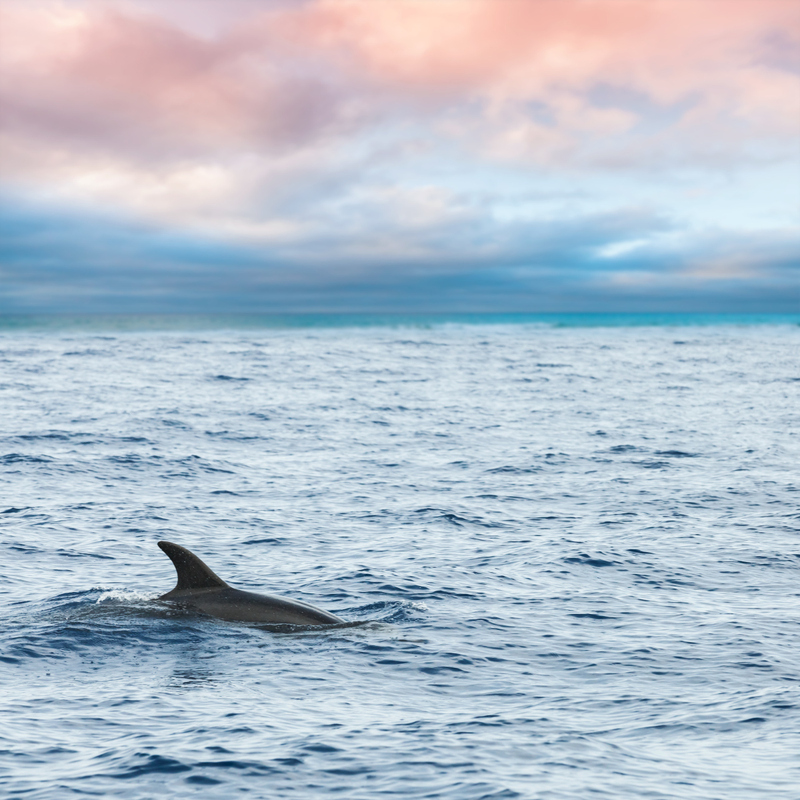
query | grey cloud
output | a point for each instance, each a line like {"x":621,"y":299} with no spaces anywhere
{"x":59,"y":261}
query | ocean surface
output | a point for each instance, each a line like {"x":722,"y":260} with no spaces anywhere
{"x":573,"y":547}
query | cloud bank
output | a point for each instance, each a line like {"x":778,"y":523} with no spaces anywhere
{"x":400,"y":155}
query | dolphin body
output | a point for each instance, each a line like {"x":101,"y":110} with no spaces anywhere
{"x":199,"y":588}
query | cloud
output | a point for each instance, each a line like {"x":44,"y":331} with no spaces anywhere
{"x":341,"y":150}
{"x":59,"y":260}
{"x":123,"y":79}
{"x":136,"y":87}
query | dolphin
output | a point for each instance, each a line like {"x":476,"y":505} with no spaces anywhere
{"x":199,"y":588}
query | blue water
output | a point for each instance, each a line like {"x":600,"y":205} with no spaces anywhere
{"x":575,"y":549}
{"x":115,"y":323}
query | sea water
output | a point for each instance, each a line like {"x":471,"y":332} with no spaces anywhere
{"x":574,"y":551}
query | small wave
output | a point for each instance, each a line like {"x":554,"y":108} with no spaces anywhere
{"x":88,"y":352}
{"x":389,"y":611}
{"x":129,"y":459}
{"x":176,"y":423}
{"x":76,"y":554}
{"x":153,"y":764}
{"x":588,"y":560}
{"x":264,"y":541}
{"x":509,"y":470}
{"x":232,"y":437}
{"x":19,"y":458}
{"x":456,"y":519}
{"x":28,"y":549}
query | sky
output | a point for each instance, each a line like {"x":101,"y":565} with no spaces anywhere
{"x":399,"y":155}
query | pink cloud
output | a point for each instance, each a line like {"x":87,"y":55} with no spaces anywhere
{"x":203,"y":88}
{"x":134,"y":83}
{"x":469,"y":44}
{"x":104,"y":73}
{"x":725,"y":54}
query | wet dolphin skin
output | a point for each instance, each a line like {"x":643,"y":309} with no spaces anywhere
{"x":201,"y":589}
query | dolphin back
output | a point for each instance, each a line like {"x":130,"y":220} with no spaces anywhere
{"x":192,"y":572}
{"x":199,"y":588}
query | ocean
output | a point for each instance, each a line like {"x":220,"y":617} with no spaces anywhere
{"x":571,"y":543}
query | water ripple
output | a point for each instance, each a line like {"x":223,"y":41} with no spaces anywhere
{"x":568,"y":560}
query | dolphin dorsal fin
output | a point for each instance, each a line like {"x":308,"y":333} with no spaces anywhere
{"x":192,"y":572}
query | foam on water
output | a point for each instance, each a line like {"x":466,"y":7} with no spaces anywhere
{"x":573,"y":556}
{"x":125,"y":597}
